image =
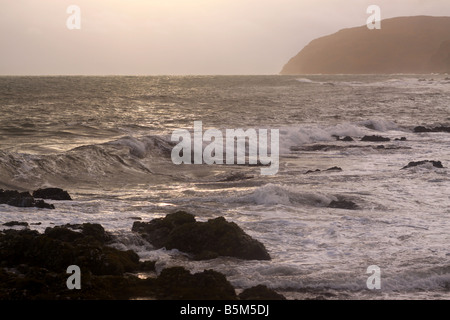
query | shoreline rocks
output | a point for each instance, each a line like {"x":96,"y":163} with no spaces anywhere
{"x":204,"y":240}
{"x":375,"y":138}
{"x":422,"y":129}
{"x":26,"y":200}
{"x":260,"y":292}
{"x":52,"y":194}
{"x":329,"y":169}
{"x":436,"y":164}
{"x":33,"y":266}
{"x":343,"y":204}
{"x":22,"y":200}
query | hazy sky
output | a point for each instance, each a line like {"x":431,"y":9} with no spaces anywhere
{"x":152,"y":37}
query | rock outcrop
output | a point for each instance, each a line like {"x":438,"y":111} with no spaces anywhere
{"x":33,"y":266}
{"x":422,"y":129}
{"x":204,"y":240}
{"x":436,"y":164}
{"x":52,"y":193}
{"x":22,"y":199}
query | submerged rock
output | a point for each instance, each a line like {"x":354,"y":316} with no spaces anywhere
{"x":343,"y":204}
{"x":436,"y":164}
{"x":260,"y":292}
{"x":22,"y":199}
{"x":329,"y":169}
{"x":421,"y":129}
{"x":347,"y":139}
{"x":375,"y":139}
{"x":15,"y":223}
{"x":205,"y":240}
{"x":52,"y":193}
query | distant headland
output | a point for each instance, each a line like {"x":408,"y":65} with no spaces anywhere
{"x":419,"y":45}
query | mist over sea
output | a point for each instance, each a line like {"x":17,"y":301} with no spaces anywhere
{"x":107,"y":141}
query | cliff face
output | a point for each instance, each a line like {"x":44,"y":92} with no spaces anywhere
{"x":403,"y":45}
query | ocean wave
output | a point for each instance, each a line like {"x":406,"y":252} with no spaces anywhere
{"x":126,"y":155}
{"x":275,"y":194}
{"x":304,"y":134}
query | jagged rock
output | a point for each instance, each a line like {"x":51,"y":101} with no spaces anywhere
{"x":43,"y":205}
{"x":33,"y":267}
{"x":329,"y":169}
{"x":16,"y":223}
{"x":22,"y":199}
{"x":52,"y":193}
{"x":312,"y":171}
{"x":66,"y":232}
{"x":437,"y":164}
{"x":34,"y":283}
{"x":375,"y":139}
{"x":343,"y":204}
{"x":260,"y":292}
{"x":205,"y":240}
{"x":177,"y":283}
{"x":60,"y":247}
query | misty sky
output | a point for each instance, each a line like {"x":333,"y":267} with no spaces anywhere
{"x":154,"y":37}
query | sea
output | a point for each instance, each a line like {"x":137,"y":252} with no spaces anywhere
{"x":107,"y":141}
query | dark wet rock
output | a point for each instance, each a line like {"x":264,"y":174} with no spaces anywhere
{"x":312,"y":171}
{"x":22,"y":199}
{"x":375,"y":139}
{"x":16,"y":223}
{"x":205,"y":240}
{"x":345,"y":139}
{"x":63,"y":234}
{"x":343,"y":204}
{"x":422,"y":129}
{"x":325,"y":148}
{"x":60,"y":247}
{"x":72,"y":232}
{"x":16,"y":198}
{"x":147,"y":265}
{"x":35,"y":283}
{"x":400,"y":139}
{"x":43,"y":205}
{"x":177,"y":283}
{"x":260,"y":292}
{"x":334,"y":169}
{"x":157,"y":231}
{"x":33,"y":267}
{"x":329,"y":169}
{"x":436,"y":164}
{"x":52,"y":194}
